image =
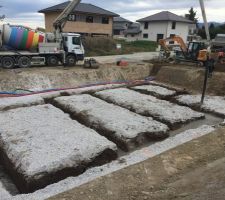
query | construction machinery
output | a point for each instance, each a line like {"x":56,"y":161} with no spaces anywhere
{"x":183,"y":52}
{"x":23,"y":47}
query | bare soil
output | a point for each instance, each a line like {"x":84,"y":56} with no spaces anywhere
{"x":191,"y":171}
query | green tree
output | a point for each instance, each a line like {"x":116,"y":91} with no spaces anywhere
{"x":212,"y":26}
{"x":192,"y":15}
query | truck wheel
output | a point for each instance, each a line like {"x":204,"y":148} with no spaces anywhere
{"x":8,"y":62}
{"x":70,"y":60}
{"x":24,"y":62}
{"x":52,"y":61}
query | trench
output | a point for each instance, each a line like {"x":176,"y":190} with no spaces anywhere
{"x":210,"y":119}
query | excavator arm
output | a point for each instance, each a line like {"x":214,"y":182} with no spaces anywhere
{"x":177,"y":39}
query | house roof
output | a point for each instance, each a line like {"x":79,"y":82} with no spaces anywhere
{"x":119,"y":27}
{"x":165,"y":16}
{"x":133,"y":29}
{"x":81,"y":8}
{"x":121,"y":19}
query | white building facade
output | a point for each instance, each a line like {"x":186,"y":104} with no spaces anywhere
{"x":163,"y":25}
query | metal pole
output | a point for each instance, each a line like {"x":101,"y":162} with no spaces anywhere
{"x":205,"y":20}
{"x":207,"y":63}
{"x":205,"y":82}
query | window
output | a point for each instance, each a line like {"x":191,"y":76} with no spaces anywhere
{"x":146,"y":25}
{"x":72,"y":17}
{"x":174,"y":25}
{"x":76,"y":41}
{"x":105,"y":20}
{"x":160,"y":36}
{"x":89,"y":19}
{"x":145,"y":35}
{"x":65,"y":39}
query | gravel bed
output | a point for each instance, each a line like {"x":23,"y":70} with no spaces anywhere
{"x":127,"y":160}
{"x":120,"y":125}
{"x":157,"y":91}
{"x":213,"y":104}
{"x":41,"y":145}
{"x":147,"y":105}
{"x":16,"y":102}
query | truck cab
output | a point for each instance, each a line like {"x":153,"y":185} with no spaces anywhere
{"x":73,"y":45}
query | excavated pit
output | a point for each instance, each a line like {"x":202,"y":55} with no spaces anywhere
{"x":210,"y":118}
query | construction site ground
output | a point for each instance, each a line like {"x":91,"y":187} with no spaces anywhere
{"x":194,"y":170}
{"x":145,"y":140}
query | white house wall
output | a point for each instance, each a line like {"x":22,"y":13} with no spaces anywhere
{"x":154,"y":28}
{"x":182,"y":29}
{"x":164,"y":28}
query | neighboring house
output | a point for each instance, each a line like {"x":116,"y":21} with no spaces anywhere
{"x":120,"y":25}
{"x":133,"y":32}
{"x":164,"y":24}
{"x":87,"y":19}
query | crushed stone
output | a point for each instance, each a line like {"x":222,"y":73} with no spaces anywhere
{"x":16,"y":102}
{"x":148,"y":105}
{"x":116,"y":123}
{"x":156,"y":91}
{"x":131,"y":159}
{"x":42,"y":140}
{"x":214,"y":104}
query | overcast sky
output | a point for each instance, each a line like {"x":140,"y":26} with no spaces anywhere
{"x":25,"y":11}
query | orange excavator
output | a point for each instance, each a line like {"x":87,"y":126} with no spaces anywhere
{"x":190,"y":53}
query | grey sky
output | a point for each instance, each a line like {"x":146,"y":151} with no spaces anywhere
{"x":25,"y":11}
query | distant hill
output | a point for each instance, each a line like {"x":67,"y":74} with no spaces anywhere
{"x":215,"y":23}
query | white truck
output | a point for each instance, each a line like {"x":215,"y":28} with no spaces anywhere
{"x":23,"y":48}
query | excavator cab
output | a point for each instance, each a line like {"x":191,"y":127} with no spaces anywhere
{"x":193,"y":50}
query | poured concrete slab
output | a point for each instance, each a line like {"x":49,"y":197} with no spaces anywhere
{"x":41,"y":145}
{"x":156,"y":91}
{"x":124,"y":127}
{"x":147,"y":105}
{"x":214,"y":104}
{"x":16,"y":102}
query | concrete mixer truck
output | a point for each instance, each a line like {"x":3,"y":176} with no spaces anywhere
{"x":23,"y":47}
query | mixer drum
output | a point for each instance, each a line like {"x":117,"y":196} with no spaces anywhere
{"x":21,"y":38}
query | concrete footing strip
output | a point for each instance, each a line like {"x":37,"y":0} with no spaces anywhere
{"x":131,"y":159}
{"x":147,"y":105}
{"x":157,"y":91}
{"x":41,"y":145}
{"x":125,"y":128}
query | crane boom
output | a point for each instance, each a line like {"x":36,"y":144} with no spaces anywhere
{"x":60,"y":21}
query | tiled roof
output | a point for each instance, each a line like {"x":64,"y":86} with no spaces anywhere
{"x":81,"y":8}
{"x":121,"y":19}
{"x":165,"y":16}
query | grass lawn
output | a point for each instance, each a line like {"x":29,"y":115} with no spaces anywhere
{"x":107,"y":46}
